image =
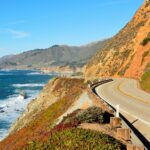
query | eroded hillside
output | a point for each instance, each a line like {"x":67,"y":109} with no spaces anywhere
{"x":39,"y":126}
{"x":42,"y":113}
{"x":128,"y":53}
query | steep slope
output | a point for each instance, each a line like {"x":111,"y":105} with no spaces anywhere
{"x":42,"y":113}
{"x":128,"y":53}
{"x":38,"y":127}
{"x":57,"y":55}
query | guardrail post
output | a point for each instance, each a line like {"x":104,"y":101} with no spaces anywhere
{"x":117,"y":111}
{"x":124,"y":134}
{"x":115,"y":122}
{"x":133,"y":147}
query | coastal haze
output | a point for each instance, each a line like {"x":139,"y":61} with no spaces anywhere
{"x":97,"y":96}
{"x":57,"y":55}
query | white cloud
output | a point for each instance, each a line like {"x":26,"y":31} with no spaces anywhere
{"x":17,"y":34}
{"x":18,"y":22}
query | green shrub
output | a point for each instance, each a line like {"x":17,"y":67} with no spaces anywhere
{"x":125,"y":53}
{"x":143,"y":56}
{"x":73,"y":139}
{"x":145,"y":81}
{"x":91,"y":115}
{"x":71,"y":117}
{"x":116,"y":53}
{"x":122,"y":72}
{"x":146,"y":40}
{"x":78,"y":74}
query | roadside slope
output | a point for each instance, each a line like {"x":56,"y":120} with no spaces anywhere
{"x":42,"y":113}
{"x":127,"y":54}
{"x":56,"y":124}
{"x":134,"y":103}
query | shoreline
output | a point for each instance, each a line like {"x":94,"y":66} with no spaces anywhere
{"x":12,"y":107}
{"x":24,"y":104}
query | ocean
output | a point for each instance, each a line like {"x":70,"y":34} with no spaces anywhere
{"x":11,"y":84}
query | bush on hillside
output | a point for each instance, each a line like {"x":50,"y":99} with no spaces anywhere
{"x":145,"y":54}
{"x":146,"y":40}
{"x":91,"y":115}
{"x":145,"y":80}
{"x":72,"y":139}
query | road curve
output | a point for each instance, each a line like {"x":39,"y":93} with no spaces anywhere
{"x":132,"y":100}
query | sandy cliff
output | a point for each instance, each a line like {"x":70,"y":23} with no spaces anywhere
{"x":127,"y":54}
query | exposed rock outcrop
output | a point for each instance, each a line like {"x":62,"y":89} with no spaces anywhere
{"x":55,"y":90}
{"x":128,"y":53}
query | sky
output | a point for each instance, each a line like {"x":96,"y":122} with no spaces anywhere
{"x":31,"y":24}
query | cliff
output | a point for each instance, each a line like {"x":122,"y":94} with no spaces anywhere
{"x":52,"y":121}
{"x":42,"y":113}
{"x":127,"y":54}
{"x":55,"y":90}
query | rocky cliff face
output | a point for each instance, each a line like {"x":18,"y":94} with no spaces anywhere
{"x":56,"y":90}
{"x":42,"y":113}
{"x":128,"y":53}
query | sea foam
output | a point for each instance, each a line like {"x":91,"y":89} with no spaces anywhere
{"x":28,"y":85}
{"x":11,"y":108}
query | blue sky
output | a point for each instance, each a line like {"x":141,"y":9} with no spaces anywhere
{"x":31,"y":24}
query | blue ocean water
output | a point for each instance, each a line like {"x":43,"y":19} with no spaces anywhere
{"x":11,"y":83}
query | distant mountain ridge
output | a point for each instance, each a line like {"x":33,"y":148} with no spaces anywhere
{"x":57,"y":55}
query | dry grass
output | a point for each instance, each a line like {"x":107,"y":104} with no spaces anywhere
{"x":39,"y":128}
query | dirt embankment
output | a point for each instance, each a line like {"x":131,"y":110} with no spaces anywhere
{"x":127,"y":54}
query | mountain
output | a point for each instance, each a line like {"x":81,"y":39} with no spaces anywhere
{"x":127,"y":54}
{"x":4,"y":58}
{"x":57,"y":55}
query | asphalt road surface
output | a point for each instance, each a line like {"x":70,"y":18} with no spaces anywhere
{"x":131,"y":99}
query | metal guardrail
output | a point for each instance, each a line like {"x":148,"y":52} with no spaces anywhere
{"x":135,"y":132}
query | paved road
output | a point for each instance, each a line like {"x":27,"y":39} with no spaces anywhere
{"x":132,"y":100}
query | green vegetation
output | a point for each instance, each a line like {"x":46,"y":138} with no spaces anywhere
{"x":42,"y":133}
{"x":125,"y":53}
{"x":78,"y":74}
{"x":66,"y":135}
{"x":144,"y":55}
{"x":114,"y":69}
{"x":121,"y":56}
{"x":72,"y":139}
{"x":116,"y":53}
{"x":122,"y":72}
{"x":145,"y":81}
{"x":141,"y":24}
{"x":41,"y":126}
{"x":146,"y":40}
{"x":90,"y":115}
